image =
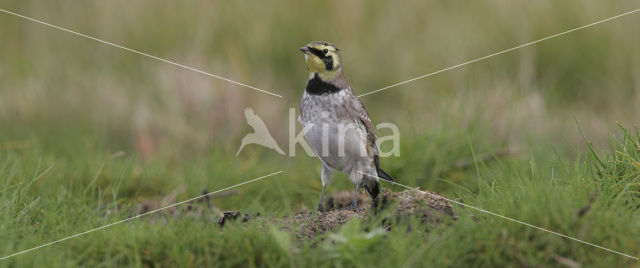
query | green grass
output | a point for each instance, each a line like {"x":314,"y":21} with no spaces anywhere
{"x":47,"y":196}
{"x":88,"y":131}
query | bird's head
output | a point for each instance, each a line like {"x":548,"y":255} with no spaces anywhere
{"x":323,"y":58}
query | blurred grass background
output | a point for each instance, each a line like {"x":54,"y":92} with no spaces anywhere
{"x":119,"y":128}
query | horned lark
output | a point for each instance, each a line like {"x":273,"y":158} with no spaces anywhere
{"x":336,"y":123}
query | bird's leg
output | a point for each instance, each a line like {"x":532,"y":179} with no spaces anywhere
{"x":355,"y":198}
{"x":320,"y":208}
{"x":356,"y":178}
{"x":326,"y":179}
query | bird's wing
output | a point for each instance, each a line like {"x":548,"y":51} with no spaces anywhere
{"x":254,"y":120}
{"x":361,"y":114}
{"x":357,"y":110}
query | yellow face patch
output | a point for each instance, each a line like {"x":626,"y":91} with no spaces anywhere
{"x":315,"y":64}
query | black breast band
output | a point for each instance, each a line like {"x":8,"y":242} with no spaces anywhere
{"x":315,"y":86}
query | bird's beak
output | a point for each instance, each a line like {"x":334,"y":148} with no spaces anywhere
{"x":304,"y":49}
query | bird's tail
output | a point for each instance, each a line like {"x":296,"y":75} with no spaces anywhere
{"x":384,"y":175}
{"x":241,"y":146}
{"x":372,"y":187}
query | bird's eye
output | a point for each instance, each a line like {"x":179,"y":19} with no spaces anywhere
{"x":325,"y":51}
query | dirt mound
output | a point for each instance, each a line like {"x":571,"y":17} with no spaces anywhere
{"x":393,"y":206}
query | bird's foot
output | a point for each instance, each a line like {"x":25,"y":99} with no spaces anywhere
{"x":320,"y":208}
{"x":353,"y":207}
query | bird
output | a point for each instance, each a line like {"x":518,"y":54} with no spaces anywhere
{"x":338,"y":127}
{"x":261,"y":135}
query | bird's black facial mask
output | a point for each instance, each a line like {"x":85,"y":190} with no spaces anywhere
{"x":326,"y":59}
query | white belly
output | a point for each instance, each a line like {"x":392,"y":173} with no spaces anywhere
{"x":340,"y":146}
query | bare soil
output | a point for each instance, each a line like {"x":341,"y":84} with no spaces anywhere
{"x":392,"y":207}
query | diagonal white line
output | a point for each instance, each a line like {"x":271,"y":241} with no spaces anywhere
{"x":142,"y":53}
{"x":501,"y":52}
{"x":508,"y":218}
{"x":137,"y":216}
